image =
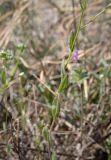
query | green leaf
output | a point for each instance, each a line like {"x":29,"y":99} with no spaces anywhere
{"x":46,"y":93}
{"x":64,"y":83}
{"x":79,"y":75}
{"x":6,"y":55}
{"x":4,"y":77}
{"x":71,"y":42}
{"x":21,"y":47}
{"x":54,"y":109}
{"x":53,"y":156}
{"x":63,"y":68}
{"x":81,"y":5}
{"x":45,"y":134}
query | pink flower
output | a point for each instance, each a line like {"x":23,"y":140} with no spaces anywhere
{"x":75,"y":55}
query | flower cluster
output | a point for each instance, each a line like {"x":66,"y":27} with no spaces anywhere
{"x":75,"y":55}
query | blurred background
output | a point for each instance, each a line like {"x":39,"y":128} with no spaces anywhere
{"x":44,"y":27}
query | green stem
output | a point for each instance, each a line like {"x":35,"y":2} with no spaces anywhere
{"x":77,"y":33}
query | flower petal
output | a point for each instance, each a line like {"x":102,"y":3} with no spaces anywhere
{"x":75,"y":55}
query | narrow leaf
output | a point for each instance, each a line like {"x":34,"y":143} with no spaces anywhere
{"x":53,"y":157}
{"x":63,"y":68}
{"x":63,"y":84}
{"x":71,"y":43}
{"x":3,"y":77}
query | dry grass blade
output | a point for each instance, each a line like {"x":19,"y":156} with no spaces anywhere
{"x":6,"y":33}
{"x":2,"y":18}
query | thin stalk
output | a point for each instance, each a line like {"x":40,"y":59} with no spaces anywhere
{"x":96,"y":16}
{"x":78,"y":30}
{"x":74,"y":19}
